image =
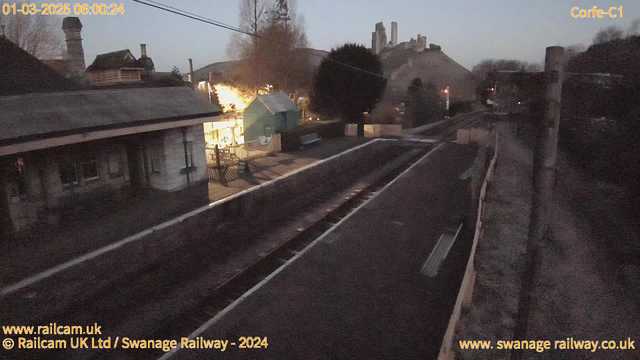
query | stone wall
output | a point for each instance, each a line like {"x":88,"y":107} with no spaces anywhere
{"x":172,"y":175}
{"x":45,"y":190}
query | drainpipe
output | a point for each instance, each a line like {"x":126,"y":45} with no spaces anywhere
{"x":186,"y":155}
{"x":193,"y":81}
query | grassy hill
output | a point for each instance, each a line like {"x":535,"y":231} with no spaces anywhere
{"x":401,"y":65}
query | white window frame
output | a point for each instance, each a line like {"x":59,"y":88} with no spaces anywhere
{"x":115,"y":155}
{"x":93,"y":158}
{"x":19,"y":187}
{"x":72,"y":162}
{"x":155,"y":158}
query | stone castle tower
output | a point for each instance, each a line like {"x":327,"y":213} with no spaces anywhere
{"x":379,"y":37}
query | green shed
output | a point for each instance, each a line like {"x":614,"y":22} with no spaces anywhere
{"x":268,"y":114}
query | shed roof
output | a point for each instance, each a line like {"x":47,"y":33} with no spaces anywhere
{"x":115,"y":60}
{"x":21,"y":73}
{"x":277,"y":103}
{"x":38,"y":116}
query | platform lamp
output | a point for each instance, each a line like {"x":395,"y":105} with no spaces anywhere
{"x":446,"y":92}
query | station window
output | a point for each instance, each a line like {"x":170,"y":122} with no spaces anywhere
{"x":156,"y":158}
{"x":67,"y":170}
{"x":115,"y":164}
{"x":18,"y":181}
{"x":89,"y":166}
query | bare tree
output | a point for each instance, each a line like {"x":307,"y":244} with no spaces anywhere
{"x":608,"y":34}
{"x":251,"y":17}
{"x":271,"y":57}
{"x":38,"y":34}
{"x":572,"y":50}
{"x":486,"y":66}
{"x":634,"y":28}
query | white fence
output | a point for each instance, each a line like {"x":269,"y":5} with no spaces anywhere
{"x":374,"y":130}
{"x":466,"y":289}
{"x":252,"y":149}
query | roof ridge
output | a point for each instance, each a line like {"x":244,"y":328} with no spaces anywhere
{"x":114,"y":52}
{"x":88,"y":92}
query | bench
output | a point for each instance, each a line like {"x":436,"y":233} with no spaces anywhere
{"x":309,"y":139}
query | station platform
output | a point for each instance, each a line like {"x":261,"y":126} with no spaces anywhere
{"x":357,"y":291}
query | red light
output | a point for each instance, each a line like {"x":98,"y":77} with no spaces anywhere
{"x":445,"y":91}
{"x":492,"y":89}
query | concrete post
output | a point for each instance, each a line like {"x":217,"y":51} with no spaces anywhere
{"x":544,"y":158}
{"x":544,"y":163}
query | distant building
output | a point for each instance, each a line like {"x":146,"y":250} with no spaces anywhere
{"x":120,"y":67}
{"x":379,"y":37}
{"x":269,"y":114}
{"x":394,"y":33}
{"x":404,"y":61}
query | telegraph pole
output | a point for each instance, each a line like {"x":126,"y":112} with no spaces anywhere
{"x":544,"y":166}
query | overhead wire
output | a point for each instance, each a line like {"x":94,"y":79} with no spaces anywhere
{"x":193,"y":16}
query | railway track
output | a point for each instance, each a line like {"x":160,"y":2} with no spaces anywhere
{"x":235,"y":287}
{"x":448,"y":131}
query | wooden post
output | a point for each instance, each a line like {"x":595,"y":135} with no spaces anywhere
{"x":544,"y":158}
{"x":544,"y":162}
{"x":217,"y":152}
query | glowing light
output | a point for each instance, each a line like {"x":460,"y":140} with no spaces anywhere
{"x":232,"y":98}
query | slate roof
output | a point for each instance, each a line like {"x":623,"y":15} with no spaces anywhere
{"x":277,"y":103}
{"x":38,"y":116}
{"x":115,"y":60}
{"x":21,"y":73}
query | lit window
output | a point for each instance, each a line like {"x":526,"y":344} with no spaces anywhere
{"x":17,"y":182}
{"x":189,"y":149}
{"x":115,"y":164}
{"x":67,"y":170}
{"x":89,"y":167}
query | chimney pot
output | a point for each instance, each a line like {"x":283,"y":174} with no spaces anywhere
{"x":143,"y":50}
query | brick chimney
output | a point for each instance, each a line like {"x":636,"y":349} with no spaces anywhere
{"x":72,"y":28}
{"x":149,"y":67}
